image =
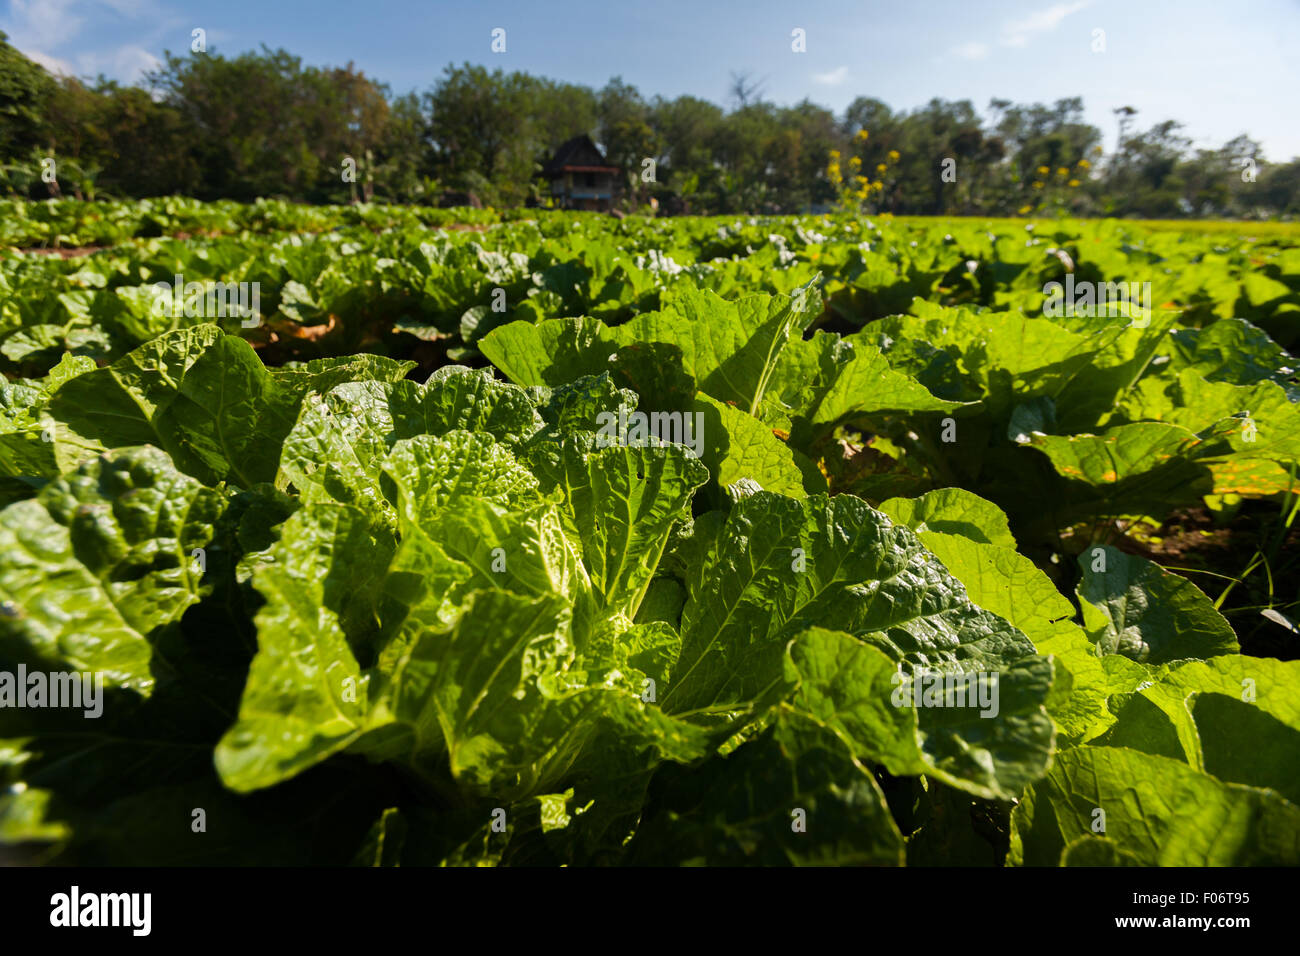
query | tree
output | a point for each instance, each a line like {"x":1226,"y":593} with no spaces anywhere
{"x":403,"y":156}
{"x":265,"y":124}
{"x":143,"y":146}
{"x":25,"y":91}
{"x":1213,"y":178}
{"x":268,"y":126}
{"x":1040,"y":141}
{"x":484,"y":133}
{"x":625,"y":133}
{"x":1279,"y":188}
{"x":686,"y":130}
{"x":1145,"y":178}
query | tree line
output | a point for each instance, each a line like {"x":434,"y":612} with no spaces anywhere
{"x":263,"y":124}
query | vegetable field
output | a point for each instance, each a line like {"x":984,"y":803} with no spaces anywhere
{"x":381,"y":536}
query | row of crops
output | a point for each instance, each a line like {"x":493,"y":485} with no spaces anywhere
{"x":577,"y":540}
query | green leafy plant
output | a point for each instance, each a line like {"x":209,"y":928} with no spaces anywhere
{"x":699,"y":581}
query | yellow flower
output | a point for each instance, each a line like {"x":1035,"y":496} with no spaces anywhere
{"x":862,"y":136}
{"x":1072,"y":183}
{"x":1038,"y":185}
{"x":882,"y":169}
{"x":1084,"y":164}
{"x":856,"y":162}
{"x":1043,"y":170}
{"x":1025,"y":209}
{"x":835,"y":154}
{"x":1062,"y":171}
{"x":893,"y":155}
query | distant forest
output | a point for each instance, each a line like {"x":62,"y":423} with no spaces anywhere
{"x":263,"y":124}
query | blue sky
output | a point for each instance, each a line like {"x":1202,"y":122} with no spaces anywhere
{"x":1220,"y":68}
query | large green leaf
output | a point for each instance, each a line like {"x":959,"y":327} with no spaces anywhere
{"x":1266,"y":429}
{"x":337,"y":448}
{"x":1005,"y":357}
{"x":625,"y":513}
{"x":777,"y":565}
{"x":1132,"y":606}
{"x":999,"y":579}
{"x":307,"y":695}
{"x":856,"y":383}
{"x":952,"y":511}
{"x":793,"y":796}
{"x":1135,"y":469}
{"x":1245,"y":744}
{"x":432,"y":473}
{"x":739,"y":448}
{"x":1245,"y":734}
{"x":1160,"y":811}
{"x":730,"y":348}
{"x":97,"y":566}
{"x":619,"y":505}
{"x":853,"y":689}
{"x":202,"y":396}
{"x":26,"y":432}
{"x":489,"y":693}
{"x":1232,"y":351}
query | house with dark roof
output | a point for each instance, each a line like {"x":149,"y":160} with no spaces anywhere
{"x":581,"y":177}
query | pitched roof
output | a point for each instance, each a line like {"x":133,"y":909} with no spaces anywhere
{"x":577,"y":152}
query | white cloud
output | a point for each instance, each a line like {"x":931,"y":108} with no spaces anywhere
{"x":834,"y":78}
{"x":1018,"y":32}
{"x":972,"y":51}
{"x":51,"y":63}
{"x":42,"y":24}
{"x":43,"y":29}
{"x":128,"y":63}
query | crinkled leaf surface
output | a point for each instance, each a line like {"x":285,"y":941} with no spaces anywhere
{"x":1161,"y":811}
{"x":1136,"y":608}
{"x":95,"y":567}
